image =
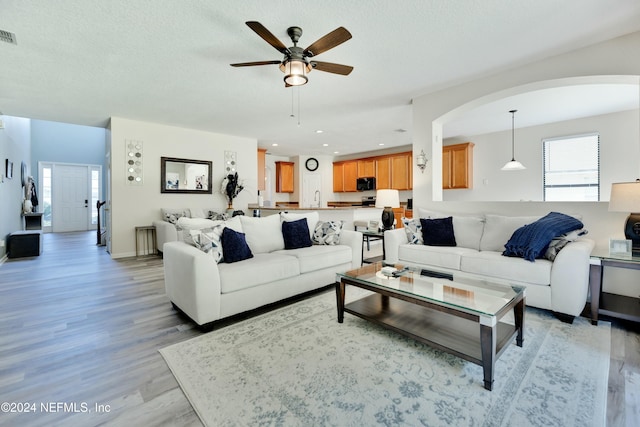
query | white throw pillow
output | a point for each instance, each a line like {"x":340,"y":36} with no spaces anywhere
{"x":312,"y":219}
{"x":263,"y":234}
{"x":208,"y":240}
{"x":498,"y":229}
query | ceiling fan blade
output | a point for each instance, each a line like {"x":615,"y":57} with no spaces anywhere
{"x":267,"y":36}
{"x":253,"y":64}
{"x":329,"y":41}
{"x":329,"y":67}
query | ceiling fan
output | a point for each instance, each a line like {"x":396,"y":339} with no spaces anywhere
{"x":296,"y":63}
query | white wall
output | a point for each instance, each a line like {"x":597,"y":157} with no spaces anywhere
{"x":15,"y":145}
{"x":619,"y":139}
{"x":133,"y":205}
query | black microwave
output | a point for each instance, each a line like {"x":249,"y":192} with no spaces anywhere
{"x":366,"y":184}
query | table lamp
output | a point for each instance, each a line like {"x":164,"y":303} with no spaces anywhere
{"x":625,"y":197}
{"x":387,"y":199}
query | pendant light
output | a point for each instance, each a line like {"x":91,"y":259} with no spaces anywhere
{"x":513,"y":164}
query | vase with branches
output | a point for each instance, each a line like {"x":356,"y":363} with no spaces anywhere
{"x":231,"y":187}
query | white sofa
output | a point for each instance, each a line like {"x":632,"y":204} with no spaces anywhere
{"x":207,"y":291}
{"x":560,"y":285}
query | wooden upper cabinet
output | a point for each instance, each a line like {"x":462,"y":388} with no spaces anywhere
{"x":401,"y":171}
{"x":390,"y":171}
{"x":284,"y":177}
{"x":457,"y":166}
{"x":262,"y":154}
{"x":350,"y":175}
{"x":366,"y":168}
{"x":383,"y":173}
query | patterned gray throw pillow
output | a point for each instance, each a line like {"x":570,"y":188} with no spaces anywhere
{"x":208,"y":240}
{"x":173,"y":215}
{"x":327,"y":233}
{"x":413,"y":228}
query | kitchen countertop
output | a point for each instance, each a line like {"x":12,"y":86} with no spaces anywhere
{"x":284,"y":206}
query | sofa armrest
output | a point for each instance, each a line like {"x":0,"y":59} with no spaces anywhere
{"x":570,"y":277}
{"x":353,"y":239}
{"x":392,"y":241}
{"x":192,"y":281}
{"x":165,"y":232}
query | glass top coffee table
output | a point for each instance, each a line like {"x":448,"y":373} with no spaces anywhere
{"x":461,"y":317}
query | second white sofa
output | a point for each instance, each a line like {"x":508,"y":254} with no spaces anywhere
{"x":560,"y":285}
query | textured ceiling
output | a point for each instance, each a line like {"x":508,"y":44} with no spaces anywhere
{"x":167,"y":61}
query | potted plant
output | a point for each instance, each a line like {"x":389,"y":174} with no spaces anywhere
{"x":231,"y":187}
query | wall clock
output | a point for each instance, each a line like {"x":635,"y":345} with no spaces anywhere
{"x":311,"y":164}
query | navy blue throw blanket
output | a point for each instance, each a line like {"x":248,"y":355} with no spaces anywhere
{"x":532,"y":240}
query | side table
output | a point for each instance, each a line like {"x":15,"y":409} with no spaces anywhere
{"x":613,"y":305}
{"x":372,"y":234}
{"x":149,"y":232}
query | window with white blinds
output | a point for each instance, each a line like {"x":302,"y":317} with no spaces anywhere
{"x":572,"y":168}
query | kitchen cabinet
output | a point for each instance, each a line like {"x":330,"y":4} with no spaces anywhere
{"x":390,"y":171}
{"x":383,"y":173}
{"x":284,"y":177}
{"x":345,"y":176}
{"x":366,"y":168}
{"x":262,"y":155}
{"x":457,"y":166}
{"x":401,"y":171}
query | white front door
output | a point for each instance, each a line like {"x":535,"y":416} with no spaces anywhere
{"x":312,"y":190}
{"x":70,"y":198}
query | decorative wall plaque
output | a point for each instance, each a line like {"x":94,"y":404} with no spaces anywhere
{"x":133,"y":159}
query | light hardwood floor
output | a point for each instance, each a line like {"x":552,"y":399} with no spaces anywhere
{"x":80,"y":328}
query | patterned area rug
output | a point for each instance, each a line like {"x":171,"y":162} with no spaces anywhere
{"x":297,"y":366}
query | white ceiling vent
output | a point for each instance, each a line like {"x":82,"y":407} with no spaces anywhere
{"x":8,"y":37}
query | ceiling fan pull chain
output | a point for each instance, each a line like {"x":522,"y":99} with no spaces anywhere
{"x":298,"y":90}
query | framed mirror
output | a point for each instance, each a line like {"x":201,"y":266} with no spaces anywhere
{"x":185,"y":176}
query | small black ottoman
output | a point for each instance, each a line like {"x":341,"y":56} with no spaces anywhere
{"x":25,"y":243}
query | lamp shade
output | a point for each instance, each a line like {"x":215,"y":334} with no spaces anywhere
{"x":625,"y":197}
{"x":513,"y":165}
{"x":387,"y":198}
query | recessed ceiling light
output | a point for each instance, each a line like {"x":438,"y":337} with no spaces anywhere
{"x":325,"y":145}
{"x":274,"y":145}
{"x":319,"y":131}
{"x":382,"y":143}
{"x":336,"y":152}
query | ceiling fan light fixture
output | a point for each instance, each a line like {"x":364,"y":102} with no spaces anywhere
{"x":295,"y":72}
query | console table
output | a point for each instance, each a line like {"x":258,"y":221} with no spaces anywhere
{"x":613,"y":305}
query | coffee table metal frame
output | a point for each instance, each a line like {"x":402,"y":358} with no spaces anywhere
{"x":477,"y":337}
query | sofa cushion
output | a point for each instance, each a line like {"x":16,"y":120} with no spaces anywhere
{"x":531,"y":241}
{"x":186,"y":223}
{"x":467,"y":229}
{"x":317,"y":257}
{"x":438,"y":232}
{"x":173,"y":215}
{"x":234,"y":246}
{"x":413,"y":228}
{"x":312,"y":219}
{"x":262,"y":268}
{"x":264,"y":234}
{"x":296,"y":234}
{"x":208,"y":240}
{"x":494,"y":264}
{"x":498,"y":230}
{"x":558,"y":243}
{"x":438,"y":256}
{"x":327,"y":233}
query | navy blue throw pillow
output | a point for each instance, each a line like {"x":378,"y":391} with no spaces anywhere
{"x":234,"y":246}
{"x":438,"y":232}
{"x":532,"y":240}
{"x":296,"y":234}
